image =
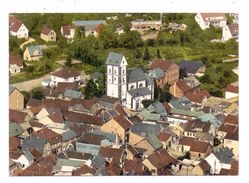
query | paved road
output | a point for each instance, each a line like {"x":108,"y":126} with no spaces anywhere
{"x":29,"y":85}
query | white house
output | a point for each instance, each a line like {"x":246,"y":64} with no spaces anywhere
{"x":215,"y":19}
{"x":232,"y":90}
{"x":230,"y":31}
{"x":130,"y":86}
{"x":17,"y":28}
{"x":25,"y":160}
{"x":220,"y":159}
{"x":68,"y":31}
{"x":64,"y":75}
{"x":15,"y":64}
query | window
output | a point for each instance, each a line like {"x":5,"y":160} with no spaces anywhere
{"x":140,"y":85}
{"x":132,"y":87}
{"x":123,"y":71}
{"x":115,"y":72}
{"x":114,"y":78}
{"x":123,"y":80}
{"x":110,"y":71}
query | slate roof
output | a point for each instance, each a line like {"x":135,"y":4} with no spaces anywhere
{"x":190,"y":66}
{"x":11,"y":89}
{"x":114,"y":59}
{"x":154,"y":141}
{"x":83,"y":23}
{"x":224,"y":155}
{"x":96,"y":75}
{"x":68,"y":162}
{"x":135,"y":74}
{"x":34,"y":142}
{"x":72,"y":94}
{"x":156,"y":73}
{"x":144,"y":129}
{"x":14,"y":129}
{"x":70,"y":134}
{"x":154,"y":112}
{"x":66,"y":73}
{"x":208,"y":117}
{"x":28,"y":155}
{"x":98,"y":161}
{"x":139,"y":92}
{"x":181,"y":103}
{"x":35,"y":50}
{"x":87,"y":148}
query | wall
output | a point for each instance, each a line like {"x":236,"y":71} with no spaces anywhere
{"x":16,"y":100}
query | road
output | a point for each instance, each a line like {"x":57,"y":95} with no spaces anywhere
{"x":29,"y":85}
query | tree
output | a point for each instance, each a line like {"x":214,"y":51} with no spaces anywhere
{"x":216,"y":93}
{"x":146,"y":54}
{"x":37,"y":93}
{"x":108,"y":38}
{"x":26,"y":96}
{"x":227,"y":74}
{"x":91,"y":90}
{"x":68,"y":62}
{"x":205,"y":79}
{"x":218,"y":69}
{"x":183,"y":74}
{"x":216,"y":141}
{"x":137,"y":53}
{"x":158,"y":53}
{"x":164,"y":94}
{"x":130,"y":40}
{"x":151,"y":42}
{"x":146,"y":103}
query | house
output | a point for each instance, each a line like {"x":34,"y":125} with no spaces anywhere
{"x":192,"y":67}
{"x":234,"y":170}
{"x":84,"y":170}
{"x":51,"y":138}
{"x":15,"y":64}
{"x":202,"y":168}
{"x":130,"y":86}
{"x":119,"y":29}
{"x":200,"y":149}
{"x":90,"y":27}
{"x":112,"y":155}
{"x":17,"y":28}
{"x":68,"y":75}
{"x":159,"y":161}
{"x":33,"y":53}
{"x":166,"y":139}
{"x":179,"y":89}
{"x":220,"y":159}
{"x":68,"y":138}
{"x":185,"y":144}
{"x":197,"y":97}
{"x":133,"y":167}
{"x":68,"y":31}
{"x":230,"y":32}
{"x":119,"y":125}
{"x":18,"y":116}
{"x":232,"y":90}
{"x":48,"y":34}
{"x":231,"y":140}
{"x":146,"y":24}
{"x":205,"y":20}
{"x":16,"y":99}
{"x":25,"y":160}
{"x":170,"y":69}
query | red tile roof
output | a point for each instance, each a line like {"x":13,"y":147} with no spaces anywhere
{"x":66,"y":29}
{"x":15,"y":60}
{"x":232,"y":89}
{"x":232,"y":119}
{"x":134,"y":165}
{"x":13,"y":143}
{"x":206,"y":16}
{"x":199,"y":146}
{"x":66,"y":73}
{"x":46,"y":30}
{"x":123,"y":122}
{"x":83,"y":170}
{"x":56,"y":118}
{"x":17,"y":116}
{"x":113,"y":153}
{"x":163,"y":64}
{"x":197,"y":97}
{"x":161,"y":159}
{"x":62,"y":86}
{"x":48,"y":135}
{"x":182,"y":85}
{"x":187,"y":141}
{"x":191,"y":126}
{"x":120,"y":109}
{"x":164,"y":136}
{"x":234,"y":29}
{"x":14,"y":24}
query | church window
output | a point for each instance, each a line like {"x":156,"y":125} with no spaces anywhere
{"x":132,"y":87}
{"x":140,"y":85}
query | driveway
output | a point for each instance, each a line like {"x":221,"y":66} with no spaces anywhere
{"x":30,"y":40}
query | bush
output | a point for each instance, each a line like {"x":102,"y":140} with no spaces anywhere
{"x":146,"y":103}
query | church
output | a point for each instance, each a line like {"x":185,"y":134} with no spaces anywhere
{"x":130,"y":86}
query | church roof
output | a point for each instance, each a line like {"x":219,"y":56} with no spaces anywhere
{"x":114,"y":59}
{"x":139,"y":92}
{"x":135,"y":74}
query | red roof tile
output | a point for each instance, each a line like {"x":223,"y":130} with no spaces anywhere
{"x":232,"y":119}
{"x":48,"y":135}
{"x":17,"y":116}
{"x":15,"y":60}
{"x":183,"y":86}
{"x":164,"y":136}
{"x":14,"y":24}
{"x":232,"y":89}
{"x":199,"y":146}
{"x":66,"y":29}
{"x":163,"y":64}
{"x":66,"y":73}
{"x":197,"y":97}
{"x":46,"y":30}
{"x":123,"y":122}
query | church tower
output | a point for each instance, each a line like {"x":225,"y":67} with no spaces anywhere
{"x":116,"y":76}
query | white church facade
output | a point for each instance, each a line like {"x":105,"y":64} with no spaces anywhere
{"x":130,"y":86}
